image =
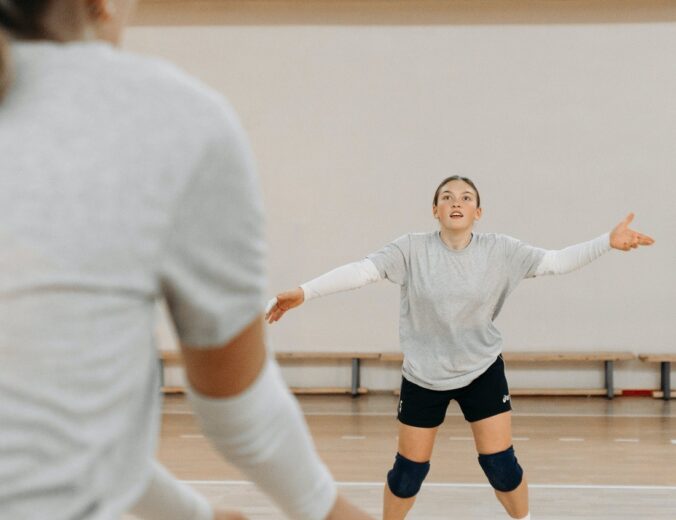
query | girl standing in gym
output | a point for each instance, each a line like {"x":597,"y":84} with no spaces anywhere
{"x":454,"y":283}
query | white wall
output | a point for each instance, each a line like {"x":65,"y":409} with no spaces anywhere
{"x":564,"y":127}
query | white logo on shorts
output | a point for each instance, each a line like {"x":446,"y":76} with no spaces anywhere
{"x":506,"y":398}
{"x":401,"y":403}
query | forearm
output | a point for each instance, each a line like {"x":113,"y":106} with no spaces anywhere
{"x":573,"y":257}
{"x":166,"y":498}
{"x":344,"y":278}
{"x":263,"y":433}
{"x":248,"y":413}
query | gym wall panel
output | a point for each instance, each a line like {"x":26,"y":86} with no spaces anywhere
{"x":562,"y":112}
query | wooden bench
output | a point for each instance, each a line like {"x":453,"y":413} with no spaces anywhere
{"x":355,"y":358}
{"x":665,"y":361}
{"x":170,"y":357}
{"x":608,"y":359}
{"x":355,"y":389}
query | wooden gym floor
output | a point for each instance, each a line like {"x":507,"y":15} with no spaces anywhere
{"x":585,"y":458}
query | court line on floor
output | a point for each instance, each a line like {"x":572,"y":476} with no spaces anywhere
{"x":514,"y":414}
{"x":362,"y":437}
{"x":453,"y":485}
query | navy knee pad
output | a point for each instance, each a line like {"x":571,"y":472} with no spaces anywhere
{"x":502,"y":469}
{"x":406,"y":477}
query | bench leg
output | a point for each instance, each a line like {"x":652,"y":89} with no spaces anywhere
{"x":161,"y":363}
{"x":355,"y":377}
{"x":665,"y":368}
{"x":609,"y":379}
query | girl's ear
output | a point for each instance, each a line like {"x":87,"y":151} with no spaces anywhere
{"x":101,"y":10}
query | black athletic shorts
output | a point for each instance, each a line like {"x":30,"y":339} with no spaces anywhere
{"x":486,"y":396}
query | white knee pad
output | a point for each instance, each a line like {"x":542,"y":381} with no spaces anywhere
{"x":263,"y":433}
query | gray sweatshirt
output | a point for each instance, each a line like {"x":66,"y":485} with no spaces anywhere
{"x":449,"y":300}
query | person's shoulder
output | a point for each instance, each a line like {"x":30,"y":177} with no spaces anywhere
{"x":156,"y":90}
{"x":495,"y":241}
{"x":143,"y":87}
{"x":415,"y":238}
{"x":420,"y":241}
{"x":494,"y":238}
{"x":422,"y":236}
{"x":406,"y":241}
{"x":162,"y":87}
{"x":185,"y":113}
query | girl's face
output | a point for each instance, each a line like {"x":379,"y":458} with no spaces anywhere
{"x":456,"y":208}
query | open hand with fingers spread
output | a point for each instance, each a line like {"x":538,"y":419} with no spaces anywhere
{"x":626,"y":239}
{"x":278,"y":306}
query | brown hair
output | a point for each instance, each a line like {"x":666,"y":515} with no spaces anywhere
{"x":20,"y":19}
{"x":457,"y":178}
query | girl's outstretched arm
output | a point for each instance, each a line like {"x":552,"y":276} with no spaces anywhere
{"x":571,"y":258}
{"x":344,"y":278}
